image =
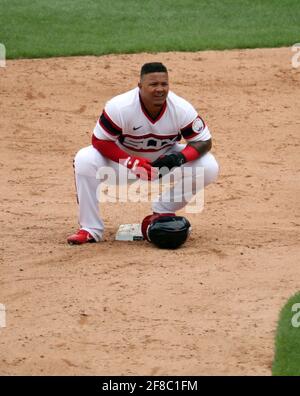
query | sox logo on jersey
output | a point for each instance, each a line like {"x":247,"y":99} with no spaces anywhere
{"x":148,"y":142}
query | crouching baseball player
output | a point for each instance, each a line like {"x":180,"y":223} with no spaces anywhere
{"x":141,"y":130}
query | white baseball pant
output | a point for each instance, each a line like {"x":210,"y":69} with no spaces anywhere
{"x":88,"y":161}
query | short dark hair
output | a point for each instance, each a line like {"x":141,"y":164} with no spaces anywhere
{"x":153,"y":67}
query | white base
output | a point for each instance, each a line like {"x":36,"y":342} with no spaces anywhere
{"x":129,"y":232}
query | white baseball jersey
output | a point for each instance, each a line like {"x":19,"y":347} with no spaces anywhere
{"x":126,"y":121}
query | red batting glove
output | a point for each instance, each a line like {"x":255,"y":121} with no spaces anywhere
{"x":141,"y":167}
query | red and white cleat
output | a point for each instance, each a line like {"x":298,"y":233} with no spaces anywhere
{"x":80,"y":237}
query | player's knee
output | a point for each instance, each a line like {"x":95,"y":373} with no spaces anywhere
{"x":84,"y":162}
{"x":211,"y":171}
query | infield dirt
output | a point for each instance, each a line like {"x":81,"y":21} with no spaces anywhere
{"x":128,"y":308}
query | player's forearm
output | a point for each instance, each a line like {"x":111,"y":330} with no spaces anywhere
{"x":194,"y":150}
{"x":109,"y":149}
{"x":141,"y":167}
{"x":191,"y":152}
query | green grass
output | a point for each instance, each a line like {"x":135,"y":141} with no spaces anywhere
{"x":42,"y":28}
{"x":287,"y":343}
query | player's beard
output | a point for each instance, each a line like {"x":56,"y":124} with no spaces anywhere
{"x":158,"y":101}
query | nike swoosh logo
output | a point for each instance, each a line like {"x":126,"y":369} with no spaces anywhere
{"x":135,"y":128}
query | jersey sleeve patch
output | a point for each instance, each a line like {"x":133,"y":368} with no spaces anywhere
{"x":193,"y":129}
{"x":108,"y":125}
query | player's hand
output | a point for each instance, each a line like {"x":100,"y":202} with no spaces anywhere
{"x":141,"y":167}
{"x":168,"y":162}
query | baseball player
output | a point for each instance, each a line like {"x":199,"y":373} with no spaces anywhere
{"x":141,"y":130}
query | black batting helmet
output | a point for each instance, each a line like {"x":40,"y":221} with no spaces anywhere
{"x":166,"y":231}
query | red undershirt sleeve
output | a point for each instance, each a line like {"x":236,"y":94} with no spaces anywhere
{"x":109,"y":149}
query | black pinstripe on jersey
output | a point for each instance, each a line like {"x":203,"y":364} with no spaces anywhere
{"x":108,"y":125}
